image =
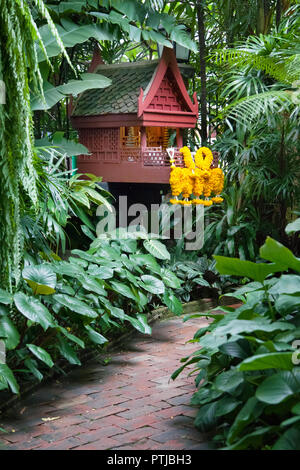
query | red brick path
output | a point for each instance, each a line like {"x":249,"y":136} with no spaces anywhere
{"x":128,"y":404}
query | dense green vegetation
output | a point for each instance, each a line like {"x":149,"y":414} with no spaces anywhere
{"x":248,"y":377}
{"x":64,"y":306}
{"x":57,"y":300}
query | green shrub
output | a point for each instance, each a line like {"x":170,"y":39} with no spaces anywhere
{"x":247,"y":374}
{"x":63,"y":307}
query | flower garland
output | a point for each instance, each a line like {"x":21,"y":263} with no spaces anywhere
{"x":204,"y":158}
{"x":188,"y":159}
{"x":197,"y":179}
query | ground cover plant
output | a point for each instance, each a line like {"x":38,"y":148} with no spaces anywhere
{"x":247,"y":367}
{"x":62,"y":307}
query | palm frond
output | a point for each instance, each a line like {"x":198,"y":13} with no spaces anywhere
{"x":249,"y":110}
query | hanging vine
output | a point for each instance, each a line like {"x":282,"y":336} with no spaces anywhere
{"x":18,"y":70}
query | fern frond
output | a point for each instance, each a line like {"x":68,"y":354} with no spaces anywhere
{"x":242,"y":58}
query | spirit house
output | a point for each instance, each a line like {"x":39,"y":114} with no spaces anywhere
{"x":127,"y":126}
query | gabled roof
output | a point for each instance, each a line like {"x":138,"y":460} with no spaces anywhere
{"x":122,"y":95}
{"x":166,"y":94}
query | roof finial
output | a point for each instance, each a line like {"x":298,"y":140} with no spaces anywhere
{"x":96,"y":60}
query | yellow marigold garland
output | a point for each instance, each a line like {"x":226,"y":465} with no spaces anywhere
{"x":176,"y":181}
{"x":197,"y":178}
{"x":188,"y":159}
{"x":204,"y":158}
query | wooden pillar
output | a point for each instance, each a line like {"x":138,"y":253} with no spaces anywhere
{"x":179,"y":139}
{"x":143,"y":137}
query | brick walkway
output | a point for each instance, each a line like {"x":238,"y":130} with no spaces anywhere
{"x":127,"y":404}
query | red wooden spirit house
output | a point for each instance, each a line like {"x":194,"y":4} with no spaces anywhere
{"x":127,"y":126}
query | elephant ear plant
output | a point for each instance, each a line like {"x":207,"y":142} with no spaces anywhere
{"x":248,"y":373}
{"x":63,"y":307}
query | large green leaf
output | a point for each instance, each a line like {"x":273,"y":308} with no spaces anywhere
{"x":278,"y":387}
{"x":68,"y":352}
{"x":206,"y":417}
{"x":205,"y":395}
{"x":34,"y":310}
{"x":129,"y":246}
{"x":152,"y":284}
{"x":140,"y":323}
{"x":226,"y":405}
{"x":7,"y":377}
{"x":117,"y":312}
{"x":170,"y":279}
{"x":70,"y":33}
{"x":123,"y":289}
{"x":252,"y":440}
{"x":238,"y":349}
{"x":5,"y":297}
{"x":287,"y":284}
{"x":150,"y":35}
{"x":71,"y":337}
{"x":94,"y":336}
{"x":9,"y":332}
{"x":180,"y":35}
{"x":65,"y":146}
{"x":229,"y":380}
{"x":88,"y":81}
{"x":132,"y":9}
{"x":293,"y":227}
{"x":50,"y":97}
{"x":251,"y":410}
{"x":92,"y":284}
{"x":285,"y":304}
{"x":238,"y":326}
{"x":98,"y":198}
{"x":31,"y":364}
{"x":67,"y":269}
{"x":276,"y":360}
{"x":146,"y":260}
{"x":290,"y":440}
{"x":276,"y":252}
{"x":100,"y":272}
{"x":40,"y":278}
{"x":41,"y":354}
{"x":173,"y":303}
{"x":236,"y":267}
{"x":157,"y":249}
{"x":68,"y":6}
{"x":53,"y":95}
{"x":75,"y":305}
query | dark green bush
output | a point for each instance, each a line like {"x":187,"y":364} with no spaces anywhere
{"x":247,"y":365}
{"x":62,"y":307}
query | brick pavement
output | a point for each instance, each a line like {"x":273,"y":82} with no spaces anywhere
{"x":130,"y":403}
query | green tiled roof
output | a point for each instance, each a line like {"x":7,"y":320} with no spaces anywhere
{"x":122,"y":95}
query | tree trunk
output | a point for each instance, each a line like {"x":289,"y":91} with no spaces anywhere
{"x":278,"y":12}
{"x":202,"y":56}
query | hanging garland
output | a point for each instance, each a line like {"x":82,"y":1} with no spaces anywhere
{"x":197,"y":179}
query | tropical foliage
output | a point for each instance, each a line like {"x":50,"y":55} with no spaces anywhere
{"x":64,"y":307}
{"x":247,"y":365}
